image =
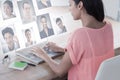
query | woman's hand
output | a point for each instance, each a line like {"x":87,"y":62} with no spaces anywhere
{"x":40,"y":52}
{"x":52,"y":46}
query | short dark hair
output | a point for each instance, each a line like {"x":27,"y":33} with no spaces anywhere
{"x":43,"y":17}
{"x":27,"y":30}
{"x":9,"y":3}
{"x":7,"y":30}
{"x":94,"y":8}
{"x":58,"y":19}
{"x":25,"y":2}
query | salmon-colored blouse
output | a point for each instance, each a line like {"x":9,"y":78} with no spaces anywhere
{"x":87,"y":48}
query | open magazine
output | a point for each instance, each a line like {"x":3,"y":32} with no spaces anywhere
{"x":27,"y":54}
{"x":30,"y":56}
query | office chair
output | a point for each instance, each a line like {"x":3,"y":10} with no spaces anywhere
{"x":109,"y":69}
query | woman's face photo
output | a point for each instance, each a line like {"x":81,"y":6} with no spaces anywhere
{"x":7,"y":9}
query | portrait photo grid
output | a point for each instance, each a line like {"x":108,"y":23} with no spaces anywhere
{"x":22,"y":24}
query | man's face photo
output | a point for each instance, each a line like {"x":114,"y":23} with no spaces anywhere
{"x":44,"y":22}
{"x":27,"y":8}
{"x":28,"y":34}
{"x":27,"y":12}
{"x":59,"y":23}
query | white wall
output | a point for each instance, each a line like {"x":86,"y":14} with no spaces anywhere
{"x":112,"y":8}
{"x":60,"y":2}
{"x":72,"y":25}
{"x":116,"y":33}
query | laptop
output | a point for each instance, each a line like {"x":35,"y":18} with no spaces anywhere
{"x":27,"y":54}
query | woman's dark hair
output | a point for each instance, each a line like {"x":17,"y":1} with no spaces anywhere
{"x":93,"y":8}
{"x":9,"y":3}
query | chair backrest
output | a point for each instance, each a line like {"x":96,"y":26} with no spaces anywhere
{"x":109,"y":69}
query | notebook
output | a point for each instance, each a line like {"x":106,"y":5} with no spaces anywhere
{"x":18,"y":65}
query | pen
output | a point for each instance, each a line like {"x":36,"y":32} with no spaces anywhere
{"x":28,"y":63}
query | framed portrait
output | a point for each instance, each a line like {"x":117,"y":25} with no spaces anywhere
{"x":7,"y":9}
{"x":60,"y":25}
{"x":45,"y":26}
{"x":9,"y":39}
{"x":28,"y":36}
{"x":26,"y":10}
{"x":43,"y":4}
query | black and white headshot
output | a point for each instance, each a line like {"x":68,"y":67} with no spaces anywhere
{"x":45,"y":26}
{"x":43,"y":4}
{"x":60,"y":25}
{"x":26,"y":11}
{"x":7,"y":9}
{"x":28,"y":36}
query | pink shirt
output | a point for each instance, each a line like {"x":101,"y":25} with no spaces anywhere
{"x":87,"y":48}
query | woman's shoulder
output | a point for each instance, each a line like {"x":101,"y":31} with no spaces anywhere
{"x":78,"y":33}
{"x":105,"y":26}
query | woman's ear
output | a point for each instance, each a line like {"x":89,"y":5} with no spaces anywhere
{"x":80,"y":5}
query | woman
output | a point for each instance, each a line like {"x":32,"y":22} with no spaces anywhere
{"x":88,"y":46}
{"x":8,"y":9}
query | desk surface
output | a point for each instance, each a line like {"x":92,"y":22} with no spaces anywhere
{"x":40,"y":72}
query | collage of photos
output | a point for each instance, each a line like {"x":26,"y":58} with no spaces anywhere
{"x":31,"y":27}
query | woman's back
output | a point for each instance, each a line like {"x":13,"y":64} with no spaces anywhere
{"x":87,"y":49}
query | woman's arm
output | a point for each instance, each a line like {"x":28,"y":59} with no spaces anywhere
{"x":59,"y":68}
